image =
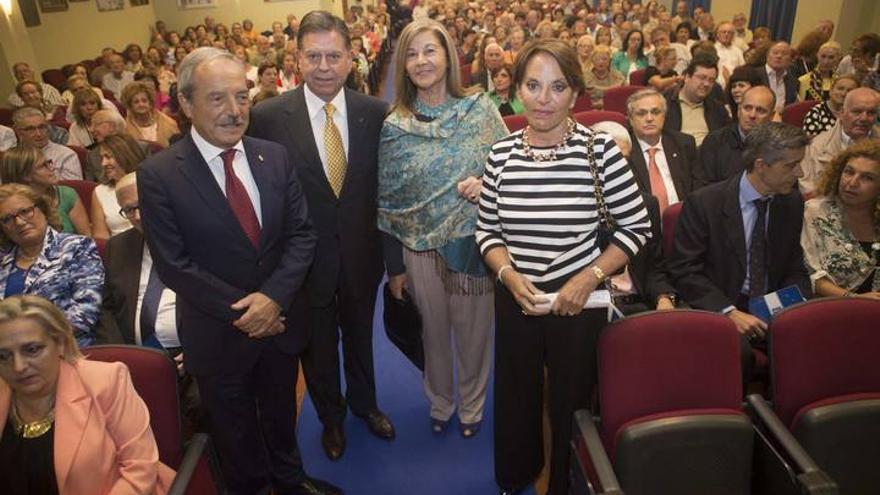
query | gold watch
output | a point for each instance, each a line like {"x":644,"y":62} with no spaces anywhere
{"x":598,"y":273}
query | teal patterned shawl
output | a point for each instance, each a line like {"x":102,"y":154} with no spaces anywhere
{"x":420,"y":165}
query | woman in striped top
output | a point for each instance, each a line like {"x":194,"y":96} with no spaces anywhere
{"x":537,"y":230}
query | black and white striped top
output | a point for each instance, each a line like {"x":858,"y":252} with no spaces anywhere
{"x":545,"y":213}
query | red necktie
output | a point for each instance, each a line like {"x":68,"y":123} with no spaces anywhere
{"x":239,"y":200}
{"x":658,"y":187}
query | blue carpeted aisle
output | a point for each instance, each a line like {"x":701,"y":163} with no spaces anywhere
{"x":417,"y":461}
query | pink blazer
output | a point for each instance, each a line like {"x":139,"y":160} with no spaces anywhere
{"x":103,"y":440}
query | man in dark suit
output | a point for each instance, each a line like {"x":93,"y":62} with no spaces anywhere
{"x":493,"y":58}
{"x":776,"y":74}
{"x":336,"y":162}
{"x":740,"y":238}
{"x":227,"y":226}
{"x":664,"y":161}
{"x":692,"y":109}
{"x":721,"y":152}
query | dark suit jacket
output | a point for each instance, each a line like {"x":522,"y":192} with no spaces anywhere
{"x":122,"y":271}
{"x":481,"y":78}
{"x":201,"y":252}
{"x":713,"y":110}
{"x":648,"y":268}
{"x":708,"y":263}
{"x":348,"y":237}
{"x":791,"y":83}
{"x":721,"y":154}
{"x":681,"y":156}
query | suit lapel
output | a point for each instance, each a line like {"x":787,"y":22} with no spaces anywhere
{"x":356,"y":130}
{"x":262,"y":178}
{"x":674,"y":162}
{"x":734,"y":223}
{"x":640,"y":168}
{"x":301,"y":134}
{"x":73,"y":408}
{"x":131,"y":273}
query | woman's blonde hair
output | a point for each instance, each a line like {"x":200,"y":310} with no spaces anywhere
{"x":406,"y":91}
{"x":17,"y":164}
{"x":51,"y":319}
{"x":42,"y":202}
{"x":867,"y":148}
{"x":81,"y":97}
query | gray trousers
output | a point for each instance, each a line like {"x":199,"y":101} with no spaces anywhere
{"x":457,"y":317}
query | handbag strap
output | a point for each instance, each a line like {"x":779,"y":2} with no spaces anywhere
{"x":604,"y":216}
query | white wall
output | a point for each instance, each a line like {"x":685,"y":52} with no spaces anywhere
{"x":228,"y":11}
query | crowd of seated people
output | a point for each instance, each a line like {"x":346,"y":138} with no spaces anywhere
{"x":706,"y":131}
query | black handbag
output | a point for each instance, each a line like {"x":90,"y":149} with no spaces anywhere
{"x":605,"y":230}
{"x":403,"y":326}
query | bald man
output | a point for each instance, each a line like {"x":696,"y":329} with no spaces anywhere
{"x":857,"y":121}
{"x":777,"y":76}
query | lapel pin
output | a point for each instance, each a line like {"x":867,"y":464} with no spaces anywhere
{"x":260,"y":157}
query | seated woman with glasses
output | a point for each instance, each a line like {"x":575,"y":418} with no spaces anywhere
{"x":28,"y":165}
{"x":120,"y":155}
{"x":74,"y":426}
{"x":63,"y":268}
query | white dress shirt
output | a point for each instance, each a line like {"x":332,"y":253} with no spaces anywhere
{"x":318,"y":118}
{"x":777,"y":84}
{"x":240,"y":165}
{"x":663,"y":166}
{"x":65,"y":163}
{"x":729,"y":57}
{"x":7,"y":138}
{"x":166,"y":319}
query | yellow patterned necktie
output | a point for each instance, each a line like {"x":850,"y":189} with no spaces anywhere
{"x":336,"y":163}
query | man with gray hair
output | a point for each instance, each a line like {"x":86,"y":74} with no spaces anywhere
{"x":105,"y":122}
{"x":32,"y":129}
{"x":856,"y":121}
{"x":664,"y":161}
{"x":227,"y":226}
{"x":23,"y":72}
{"x":740,"y":239}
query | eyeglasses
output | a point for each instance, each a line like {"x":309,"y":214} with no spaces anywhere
{"x":127,"y":212}
{"x":25,"y":214}
{"x":35,"y":128}
{"x":656,"y":112}
{"x":47,"y":164}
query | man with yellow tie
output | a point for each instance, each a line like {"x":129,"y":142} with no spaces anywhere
{"x":332,"y":136}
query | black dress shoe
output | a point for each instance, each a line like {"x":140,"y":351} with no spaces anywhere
{"x":333,"y":441}
{"x":314,"y":486}
{"x":379,"y":424}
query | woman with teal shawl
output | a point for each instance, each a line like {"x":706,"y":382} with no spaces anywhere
{"x":432,"y":151}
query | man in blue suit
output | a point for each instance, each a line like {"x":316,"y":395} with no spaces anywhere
{"x":227,"y":226}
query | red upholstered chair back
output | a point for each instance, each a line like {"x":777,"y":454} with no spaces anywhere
{"x":465,"y":75}
{"x":583,"y":103}
{"x":515,"y":122}
{"x":55,"y":78}
{"x":594,"y":116}
{"x":660,"y":362}
{"x":84,"y":190}
{"x":794,"y":114}
{"x":637,"y":78}
{"x":822,"y":349}
{"x":6,"y":116}
{"x":615,"y":98}
{"x":155,"y":379}
{"x":670,"y":218}
{"x":81,"y":155}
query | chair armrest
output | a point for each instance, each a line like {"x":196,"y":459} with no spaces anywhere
{"x":589,"y":455}
{"x":197,"y":446}
{"x":810,"y":477}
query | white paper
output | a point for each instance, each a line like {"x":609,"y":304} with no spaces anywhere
{"x":598,"y":299}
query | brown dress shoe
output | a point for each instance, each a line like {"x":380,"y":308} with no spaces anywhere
{"x":333,"y":441}
{"x":379,"y":424}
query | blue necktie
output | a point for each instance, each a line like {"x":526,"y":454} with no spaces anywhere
{"x":150,"y":310}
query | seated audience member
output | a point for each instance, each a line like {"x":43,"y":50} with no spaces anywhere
{"x":663,"y":76}
{"x":261,"y":52}
{"x":83,"y":107}
{"x":632,"y":56}
{"x":740,"y":238}
{"x":823,"y":116}
{"x":288,"y":75}
{"x":64,"y":268}
{"x":776,"y":75}
{"x":143,"y":121}
{"x":7,"y":138}
{"x":32,"y":129}
{"x":690,"y":109}
{"x":863,"y":53}
{"x":96,"y":77}
{"x":27,"y":165}
{"x":663,"y":161}
{"x":601,"y":76}
{"x":104,"y":123}
{"x":705,"y":27}
{"x":722,"y":150}
{"x":267,"y":80}
{"x":163,"y":101}
{"x":857,"y":121}
{"x":742,"y":35}
{"x":133,"y":55}
{"x":740,"y":80}
{"x":730,"y":56}
{"x":504,"y":94}
{"x":23,"y":72}
{"x":584,"y":48}
{"x":493,"y":58}
{"x":841,"y":236}
{"x":756,"y":56}
{"x":805,"y":54}
{"x":604,"y":38}
{"x":74,"y":84}
{"x":120,"y":155}
{"x":75,"y":426}
{"x":660,"y":39}
{"x":816,"y":84}
{"x":31,"y":95}
{"x":118,"y":78}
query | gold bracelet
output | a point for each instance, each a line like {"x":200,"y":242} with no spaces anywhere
{"x":501,"y":270}
{"x":600,"y":275}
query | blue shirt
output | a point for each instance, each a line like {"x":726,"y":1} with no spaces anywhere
{"x":15,"y":282}
{"x":747,"y":196}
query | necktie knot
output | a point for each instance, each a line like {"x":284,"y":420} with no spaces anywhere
{"x":228,"y":157}
{"x":652,"y":152}
{"x":761,"y":205}
{"x":329,"y":110}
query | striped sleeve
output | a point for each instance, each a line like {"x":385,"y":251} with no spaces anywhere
{"x":488,"y":233}
{"x":622,"y":198}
